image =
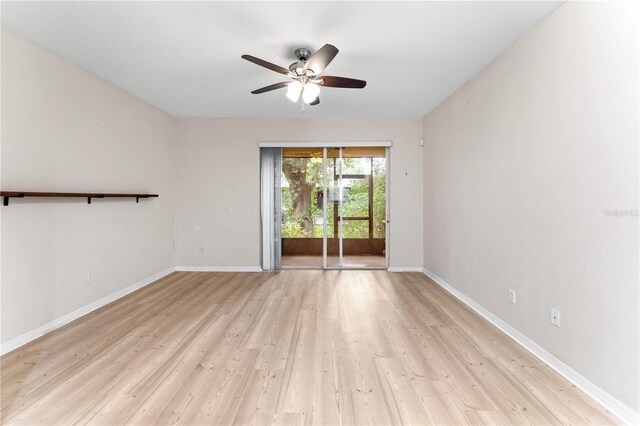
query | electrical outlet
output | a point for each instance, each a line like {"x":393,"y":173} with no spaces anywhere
{"x":555,"y":317}
{"x":512,"y":296}
{"x":89,"y":278}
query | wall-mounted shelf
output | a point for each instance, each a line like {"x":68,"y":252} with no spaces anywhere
{"x":6,"y":195}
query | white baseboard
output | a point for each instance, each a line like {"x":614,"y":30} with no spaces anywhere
{"x":25,"y":338}
{"x":406,"y":268}
{"x":602,"y":397}
{"x":219,"y":268}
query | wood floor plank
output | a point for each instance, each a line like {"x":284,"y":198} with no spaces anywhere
{"x":291,"y":347}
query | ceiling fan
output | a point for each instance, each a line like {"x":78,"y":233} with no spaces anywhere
{"x":305,"y":75}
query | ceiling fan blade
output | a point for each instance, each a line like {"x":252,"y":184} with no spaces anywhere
{"x":349,"y":83}
{"x":270,"y":87}
{"x":316,"y":102}
{"x":319,"y":60}
{"x":263,"y":63}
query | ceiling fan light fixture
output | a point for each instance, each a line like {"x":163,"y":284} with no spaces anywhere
{"x":307,"y":75}
{"x":293,"y":90}
{"x":310,"y":93}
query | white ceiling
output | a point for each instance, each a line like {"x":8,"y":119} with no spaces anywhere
{"x":184,"y":57}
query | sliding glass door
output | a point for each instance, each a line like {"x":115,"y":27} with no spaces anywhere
{"x":361,"y":179}
{"x":331,"y":207}
{"x":302,"y":218}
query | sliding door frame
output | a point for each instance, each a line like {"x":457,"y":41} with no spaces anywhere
{"x":325,"y":203}
{"x":387,"y":212}
{"x":324,"y":145}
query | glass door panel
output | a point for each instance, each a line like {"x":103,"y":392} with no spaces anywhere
{"x":302,"y":225}
{"x":364,"y":208}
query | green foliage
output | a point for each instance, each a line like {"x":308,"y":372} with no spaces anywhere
{"x":292,"y":229}
{"x":379,"y":198}
{"x":355,"y":199}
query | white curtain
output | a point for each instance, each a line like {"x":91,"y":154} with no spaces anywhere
{"x":270,"y":200}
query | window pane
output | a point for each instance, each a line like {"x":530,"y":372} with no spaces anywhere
{"x":302,"y":197}
{"x":379,"y":198}
{"x":355,"y":229}
{"x":356,"y":198}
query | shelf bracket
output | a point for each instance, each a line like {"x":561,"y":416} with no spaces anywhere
{"x":5,"y":199}
{"x":93,"y":196}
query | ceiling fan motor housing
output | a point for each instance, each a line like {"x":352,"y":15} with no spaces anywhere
{"x":303,"y":55}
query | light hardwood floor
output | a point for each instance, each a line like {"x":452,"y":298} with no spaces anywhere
{"x":295,"y":347}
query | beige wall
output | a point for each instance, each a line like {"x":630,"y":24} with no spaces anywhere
{"x":219,"y":183}
{"x":520,"y":166}
{"x":64,"y":129}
